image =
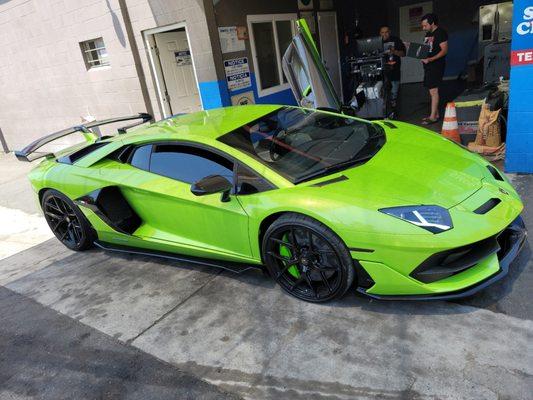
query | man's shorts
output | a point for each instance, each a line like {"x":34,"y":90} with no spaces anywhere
{"x":433,"y":73}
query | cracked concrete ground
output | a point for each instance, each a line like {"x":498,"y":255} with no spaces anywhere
{"x":240,"y":334}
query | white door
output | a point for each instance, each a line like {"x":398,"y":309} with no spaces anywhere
{"x":178,"y":72}
{"x":329,"y":47}
{"x":410,"y":31}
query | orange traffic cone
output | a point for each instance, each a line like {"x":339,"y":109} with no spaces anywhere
{"x":450,"y":128}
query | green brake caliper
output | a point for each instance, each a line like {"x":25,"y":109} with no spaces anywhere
{"x":284,"y":251}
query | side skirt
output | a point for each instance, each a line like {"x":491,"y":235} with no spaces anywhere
{"x":235,"y":267}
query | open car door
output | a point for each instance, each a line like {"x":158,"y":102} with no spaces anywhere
{"x":305,"y":71}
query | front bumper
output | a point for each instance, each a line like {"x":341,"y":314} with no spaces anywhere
{"x":510,"y":242}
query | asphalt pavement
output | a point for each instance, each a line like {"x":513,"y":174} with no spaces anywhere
{"x":47,"y":355}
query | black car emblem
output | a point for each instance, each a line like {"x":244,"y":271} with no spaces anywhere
{"x":504,"y":191}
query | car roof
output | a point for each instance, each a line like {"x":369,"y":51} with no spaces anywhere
{"x":208,"y":124}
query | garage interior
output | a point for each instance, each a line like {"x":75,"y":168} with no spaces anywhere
{"x":478,"y":57}
{"x":477,"y":64}
{"x":465,"y":59}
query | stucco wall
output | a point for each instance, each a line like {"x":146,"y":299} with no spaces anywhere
{"x":148,"y":14}
{"x":44,"y":84}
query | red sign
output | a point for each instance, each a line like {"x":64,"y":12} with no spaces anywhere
{"x":521,"y":57}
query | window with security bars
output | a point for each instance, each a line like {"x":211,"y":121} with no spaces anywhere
{"x":94,"y":53}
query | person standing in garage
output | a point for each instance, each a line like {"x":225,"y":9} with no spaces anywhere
{"x":396,"y":50}
{"x":435,"y":63}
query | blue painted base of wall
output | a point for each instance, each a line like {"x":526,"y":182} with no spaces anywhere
{"x":215,"y":94}
{"x":519,"y":146}
{"x":519,"y":150}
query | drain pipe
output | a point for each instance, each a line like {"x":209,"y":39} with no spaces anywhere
{"x":136,"y":57}
{"x":3,"y":140}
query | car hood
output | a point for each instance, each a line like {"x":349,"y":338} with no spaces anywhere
{"x":415,"y":166}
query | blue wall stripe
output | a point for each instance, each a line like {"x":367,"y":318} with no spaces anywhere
{"x":215,"y":94}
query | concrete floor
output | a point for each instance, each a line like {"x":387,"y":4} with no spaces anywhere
{"x":47,"y":355}
{"x":215,"y":333}
{"x":414,"y":103}
{"x":22,"y":225}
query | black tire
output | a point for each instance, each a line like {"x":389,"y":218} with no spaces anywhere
{"x":66,"y":221}
{"x":307,"y":259}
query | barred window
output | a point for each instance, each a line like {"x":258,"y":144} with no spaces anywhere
{"x":94,"y":53}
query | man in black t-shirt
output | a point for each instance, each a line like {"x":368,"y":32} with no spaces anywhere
{"x":434,"y":64}
{"x":394,"y":50}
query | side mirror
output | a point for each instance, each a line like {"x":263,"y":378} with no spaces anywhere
{"x":212,"y":184}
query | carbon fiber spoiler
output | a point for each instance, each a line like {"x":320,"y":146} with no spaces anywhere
{"x":30,"y":154}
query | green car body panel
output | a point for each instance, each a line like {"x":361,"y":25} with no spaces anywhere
{"x":414,"y":167}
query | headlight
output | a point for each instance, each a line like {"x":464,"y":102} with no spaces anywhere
{"x":435,"y":219}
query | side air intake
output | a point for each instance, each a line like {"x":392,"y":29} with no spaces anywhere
{"x":111,"y":206}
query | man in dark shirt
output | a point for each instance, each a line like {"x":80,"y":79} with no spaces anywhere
{"x":395,"y":49}
{"x":434,"y":64}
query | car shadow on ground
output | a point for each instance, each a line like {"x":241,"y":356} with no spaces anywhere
{"x":488,"y":298}
{"x":266,"y":282}
{"x":492,"y":295}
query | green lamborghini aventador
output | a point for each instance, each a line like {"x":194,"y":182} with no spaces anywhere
{"x":317,"y":198}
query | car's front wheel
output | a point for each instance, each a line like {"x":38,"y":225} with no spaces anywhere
{"x":307,"y":259}
{"x":66,"y":221}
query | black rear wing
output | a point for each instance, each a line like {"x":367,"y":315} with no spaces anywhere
{"x":29,"y":152}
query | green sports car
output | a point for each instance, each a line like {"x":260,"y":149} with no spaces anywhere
{"x":318,"y":199}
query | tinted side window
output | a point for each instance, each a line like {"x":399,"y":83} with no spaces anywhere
{"x":188,"y":164}
{"x":248,"y":182}
{"x":141,"y":157}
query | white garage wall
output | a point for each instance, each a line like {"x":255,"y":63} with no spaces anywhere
{"x":44,"y":84}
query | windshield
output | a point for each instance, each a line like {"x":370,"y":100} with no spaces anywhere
{"x":303,"y":144}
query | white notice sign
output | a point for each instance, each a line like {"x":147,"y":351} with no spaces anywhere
{"x":243,"y":99}
{"x":237,"y":73}
{"x":229,"y":39}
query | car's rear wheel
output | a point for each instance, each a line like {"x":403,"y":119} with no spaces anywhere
{"x":66,"y":221}
{"x":307,"y":259}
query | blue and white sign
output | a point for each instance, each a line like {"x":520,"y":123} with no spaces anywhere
{"x":522,"y":44}
{"x":522,"y":24}
{"x":237,"y":73}
{"x":183,"y":57}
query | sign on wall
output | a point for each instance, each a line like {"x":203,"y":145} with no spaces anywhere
{"x":229,"y":39}
{"x":415,"y":13}
{"x":242,"y":33}
{"x":522,"y":44}
{"x":243,"y":99}
{"x":305,"y":4}
{"x":183,"y":57}
{"x":237,"y":73}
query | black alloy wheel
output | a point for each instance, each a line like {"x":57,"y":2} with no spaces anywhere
{"x":307,"y":259}
{"x":66,"y":221}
